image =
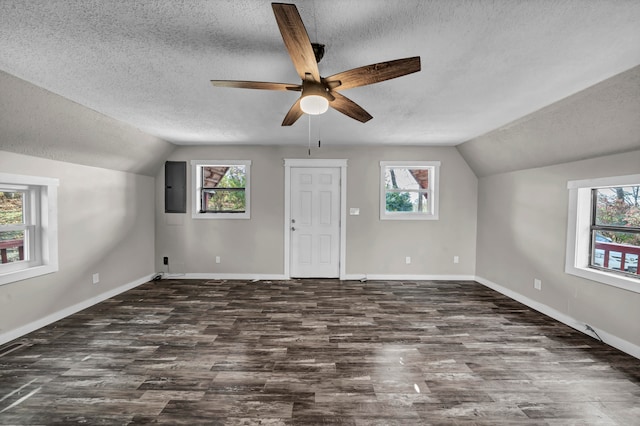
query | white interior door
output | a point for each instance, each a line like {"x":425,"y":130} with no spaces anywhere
{"x":315,"y":222}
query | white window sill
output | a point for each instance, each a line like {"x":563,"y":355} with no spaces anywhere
{"x":609,"y":278}
{"x":220,"y":216}
{"x":24,"y":274}
{"x":408,"y":216}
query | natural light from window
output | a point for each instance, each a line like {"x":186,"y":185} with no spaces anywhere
{"x":603,"y":230}
{"x":221,"y":189}
{"x":409,"y":190}
{"x":28,"y":227}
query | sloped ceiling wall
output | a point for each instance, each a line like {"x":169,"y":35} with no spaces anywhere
{"x":36,"y":122}
{"x":603,"y":119}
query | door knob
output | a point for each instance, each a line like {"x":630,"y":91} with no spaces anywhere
{"x":293,"y":228}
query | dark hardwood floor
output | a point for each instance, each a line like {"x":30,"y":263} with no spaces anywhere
{"x":186,"y":352}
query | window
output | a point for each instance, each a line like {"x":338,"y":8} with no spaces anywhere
{"x":409,"y":190}
{"x":615,"y":228}
{"x":222,"y":189}
{"x":28,"y":227}
{"x":603,"y":236}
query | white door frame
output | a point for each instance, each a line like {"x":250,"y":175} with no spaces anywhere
{"x":301,"y":162}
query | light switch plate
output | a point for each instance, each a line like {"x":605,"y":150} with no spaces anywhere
{"x":354,"y":211}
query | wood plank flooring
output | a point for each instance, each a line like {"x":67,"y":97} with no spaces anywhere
{"x":189,"y":352}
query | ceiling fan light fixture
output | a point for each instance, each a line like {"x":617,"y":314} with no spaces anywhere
{"x":314,"y":100}
{"x":314,"y":104}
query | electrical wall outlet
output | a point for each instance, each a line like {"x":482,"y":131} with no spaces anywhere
{"x":407,"y":260}
{"x":456,"y":259}
{"x":96,"y":278}
{"x":218,"y":260}
{"x":537,"y":284}
{"x":165,"y":260}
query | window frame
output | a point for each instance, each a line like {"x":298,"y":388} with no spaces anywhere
{"x":196,"y":185}
{"x":579,"y":233}
{"x":40,"y":207}
{"x":433,"y":190}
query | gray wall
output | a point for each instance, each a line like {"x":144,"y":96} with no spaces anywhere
{"x":105,"y":200}
{"x":105,"y":226}
{"x":522,"y":228}
{"x":256,"y":246}
{"x":36,"y":122}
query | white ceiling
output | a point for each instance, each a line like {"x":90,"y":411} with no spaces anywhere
{"x":485,"y":63}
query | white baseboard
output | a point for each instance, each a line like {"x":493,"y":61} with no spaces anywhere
{"x":209,"y":276}
{"x":608,"y":338}
{"x":393,"y":277}
{"x":56,"y":316}
{"x":348,"y":277}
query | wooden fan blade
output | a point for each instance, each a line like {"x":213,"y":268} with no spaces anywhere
{"x":256,"y":85}
{"x":348,"y":107}
{"x":374,"y":73}
{"x":296,"y":39}
{"x":294,"y":113}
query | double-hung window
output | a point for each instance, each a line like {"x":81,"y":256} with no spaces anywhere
{"x":615,"y":228}
{"x":409,"y":190}
{"x":28,"y":227}
{"x":221,"y":189}
{"x":603,"y":237}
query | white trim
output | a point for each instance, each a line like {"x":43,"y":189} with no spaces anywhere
{"x":433,"y":191}
{"x":578,"y":232}
{"x":56,"y":316}
{"x":214,"y":276}
{"x":412,"y":277}
{"x":28,"y":180}
{"x":604,"y":182}
{"x":194,"y":188}
{"x":315,"y":162}
{"x":608,"y":338}
{"x":301,"y":162}
{"x":43,"y":201}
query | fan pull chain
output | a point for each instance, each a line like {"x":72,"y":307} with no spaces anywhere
{"x":309,"y":134}
{"x":319,"y":126}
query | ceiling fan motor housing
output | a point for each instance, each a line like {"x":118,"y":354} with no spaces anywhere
{"x":318,"y":51}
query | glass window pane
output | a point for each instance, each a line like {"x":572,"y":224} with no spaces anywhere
{"x":224,"y":177}
{"x":11,"y":246}
{"x":618,"y":206}
{"x":224,"y":201}
{"x":404,"y":178}
{"x":407,"y":201}
{"x":11,"y":207}
{"x":616,"y":250}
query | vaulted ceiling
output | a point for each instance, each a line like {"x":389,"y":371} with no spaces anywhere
{"x":485,"y":63}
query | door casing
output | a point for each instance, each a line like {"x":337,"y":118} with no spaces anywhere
{"x":309,"y":163}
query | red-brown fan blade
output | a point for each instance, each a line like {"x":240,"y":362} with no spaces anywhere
{"x":256,"y":85}
{"x":374,"y":73}
{"x":348,"y":107}
{"x":296,"y":39}
{"x":294,"y":113}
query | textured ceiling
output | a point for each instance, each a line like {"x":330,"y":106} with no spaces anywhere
{"x":485,"y":63}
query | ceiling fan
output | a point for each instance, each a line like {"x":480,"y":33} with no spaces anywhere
{"x":320,"y":93}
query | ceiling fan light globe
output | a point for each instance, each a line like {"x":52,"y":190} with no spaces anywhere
{"x":314,"y":104}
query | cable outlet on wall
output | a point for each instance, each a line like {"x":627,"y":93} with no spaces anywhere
{"x":217,"y":259}
{"x":407,"y":260}
{"x":537,"y":284}
{"x":96,"y":278}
